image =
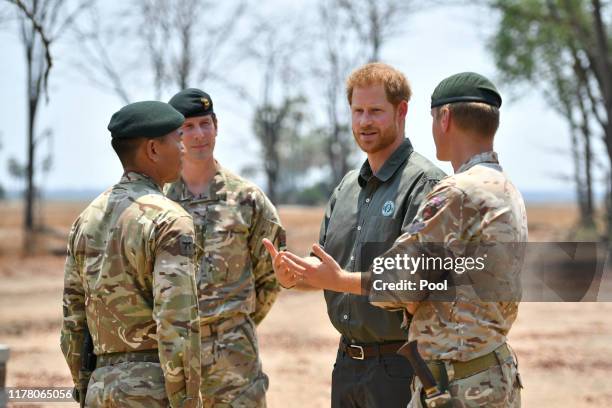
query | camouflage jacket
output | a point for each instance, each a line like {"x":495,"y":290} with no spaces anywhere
{"x":235,"y":271}
{"x":474,"y":208}
{"x":130,"y":277}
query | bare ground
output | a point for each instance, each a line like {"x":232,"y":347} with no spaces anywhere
{"x":565,"y":349}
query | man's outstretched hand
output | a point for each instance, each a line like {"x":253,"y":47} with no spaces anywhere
{"x":321,"y":272}
{"x":284,"y":275}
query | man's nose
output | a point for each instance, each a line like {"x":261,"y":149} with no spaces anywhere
{"x":200,"y":132}
{"x":365,"y":119}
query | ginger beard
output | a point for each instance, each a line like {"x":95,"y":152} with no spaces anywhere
{"x":372,"y":139}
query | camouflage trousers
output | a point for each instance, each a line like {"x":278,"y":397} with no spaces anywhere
{"x":497,"y":387}
{"x":131,"y":384}
{"x":231,"y":370}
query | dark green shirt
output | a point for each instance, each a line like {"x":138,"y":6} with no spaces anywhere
{"x":366,"y":213}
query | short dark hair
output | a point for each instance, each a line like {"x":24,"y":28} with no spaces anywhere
{"x":477,"y":117}
{"x":126,"y":149}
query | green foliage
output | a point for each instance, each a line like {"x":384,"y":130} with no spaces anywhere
{"x":317,"y":194}
{"x":534,"y":45}
{"x":290,"y":152}
{"x":16,"y":169}
{"x":562,"y":47}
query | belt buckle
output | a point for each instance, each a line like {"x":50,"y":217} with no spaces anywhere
{"x":360,"y":348}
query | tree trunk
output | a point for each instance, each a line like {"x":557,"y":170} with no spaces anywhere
{"x":30,"y":194}
{"x":588,"y":218}
{"x":28,"y":243}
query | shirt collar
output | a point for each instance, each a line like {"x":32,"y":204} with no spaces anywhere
{"x":489,"y":158}
{"x":390,"y":166}
{"x":140,"y":178}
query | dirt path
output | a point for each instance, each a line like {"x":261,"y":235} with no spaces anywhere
{"x":565,"y":350}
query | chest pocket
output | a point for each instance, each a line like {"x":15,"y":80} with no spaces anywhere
{"x":225,"y":246}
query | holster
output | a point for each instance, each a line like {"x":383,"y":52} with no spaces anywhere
{"x":88,"y":365}
{"x":434,"y":395}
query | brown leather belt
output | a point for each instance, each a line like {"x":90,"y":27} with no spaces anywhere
{"x":222,"y":325}
{"x":363,"y":351}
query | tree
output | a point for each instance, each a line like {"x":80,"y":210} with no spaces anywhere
{"x":334,"y":60}
{"x":563,"y":48}
{"x":184,"y":43}
{"x":41,"y":24}
{"x":279,"y":107}
{"x":374,"y":21}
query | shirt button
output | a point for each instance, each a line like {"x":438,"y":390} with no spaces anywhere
{"x":352,"y":258}
{"x":368,"y":200}
{"x":359,"y":228}
{"x":345,"y":317}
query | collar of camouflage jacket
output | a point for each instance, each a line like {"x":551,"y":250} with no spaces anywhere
{"x":487,"y":158}
{"x":179,"y":190}
{"x":135,"y":177}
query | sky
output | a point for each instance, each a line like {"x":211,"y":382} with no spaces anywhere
{"x":433,"y":44}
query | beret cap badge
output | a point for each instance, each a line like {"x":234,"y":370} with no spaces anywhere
{"x":205,"y":102}
{"x":192,"y":102}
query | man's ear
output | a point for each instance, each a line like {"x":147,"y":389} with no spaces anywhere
{"x":402,"y":109}
{"x":152,"y":149}
{"x":445,"y":118}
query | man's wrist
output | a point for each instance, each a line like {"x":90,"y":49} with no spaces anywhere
{"x":342,"y":281}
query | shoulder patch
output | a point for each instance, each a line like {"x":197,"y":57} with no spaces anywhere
{"x":186,"y":245}
{"x":432,"y":207}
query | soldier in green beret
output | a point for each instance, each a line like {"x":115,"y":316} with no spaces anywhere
{"x":236,"y":282}
{"x":129,"y":279}
{"x":462,"y":342}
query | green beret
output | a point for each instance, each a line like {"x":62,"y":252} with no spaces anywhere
{"x":466,"y":87}
{"x":145,"y":119}
{"x":192,"y":102}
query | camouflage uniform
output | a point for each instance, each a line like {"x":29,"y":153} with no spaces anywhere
{"x":476,"y":205}
{"x":236,"y":283}
{"x":130,"y":277}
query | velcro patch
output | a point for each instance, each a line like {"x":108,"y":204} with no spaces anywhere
{"x":186,"y":245}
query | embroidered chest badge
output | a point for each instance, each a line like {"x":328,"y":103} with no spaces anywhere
{"x":388,"y":208}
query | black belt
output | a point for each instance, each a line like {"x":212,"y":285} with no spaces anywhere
{"x":363,"y":351}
